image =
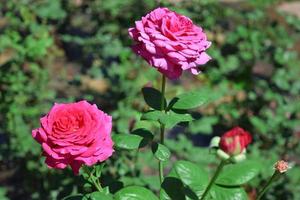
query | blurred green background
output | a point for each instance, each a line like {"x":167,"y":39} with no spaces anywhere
{"x":68,"y":50}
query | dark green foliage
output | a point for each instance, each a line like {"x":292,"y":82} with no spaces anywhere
{"x":58,"y":50}
{"x":239,"y":174}
{"x":185,"y":179}
{"x":153,"y":98}
{"x":188,"y":100}
{"x":134,"y":192}
{"x":161,"y":152}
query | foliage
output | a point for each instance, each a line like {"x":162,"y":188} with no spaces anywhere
{"x":63,"y":50}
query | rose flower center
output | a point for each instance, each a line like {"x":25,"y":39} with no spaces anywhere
{"x":68,"y":124}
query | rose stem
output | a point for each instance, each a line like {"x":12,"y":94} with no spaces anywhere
{"x":162,"y":126}
{"x":95,"y":181}
{"x":98,"y":185}
{"x":268,"y":184}
{"x":219,"y":169}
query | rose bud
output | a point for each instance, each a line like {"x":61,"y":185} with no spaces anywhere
{"x":170,"y":42}
{"x":235,"y":141}
{"x":75,"y":134}
{"x":281,"y":166}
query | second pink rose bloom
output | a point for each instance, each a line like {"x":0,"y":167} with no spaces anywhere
{"x":75,"y":134}
{"x":170,"y":42}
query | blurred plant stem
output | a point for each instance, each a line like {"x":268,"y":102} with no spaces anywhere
{"x":95,"y":179}
{"x":98,"y":185}
{"x":214,"y":178}
{"x":275,"y":175}
{"x":162,"y":126}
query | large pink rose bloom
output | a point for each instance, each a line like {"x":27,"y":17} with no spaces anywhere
{"x":170,"y":42}
{"x":75,"y":134}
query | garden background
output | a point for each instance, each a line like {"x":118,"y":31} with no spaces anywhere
{"x":68,"y":50}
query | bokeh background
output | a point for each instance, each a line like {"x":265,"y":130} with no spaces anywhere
{"x":68,"y":50}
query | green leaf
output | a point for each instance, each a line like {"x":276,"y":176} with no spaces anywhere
{"x":169,"y":119}
{"x":146,"y":134}
{"x":189,"y":100}
{"x":238,"y":174}
{"x":173,"y":188}
{"x":160,"y":151}
{"x":153,"y":97}
{"x":223,"y":193}
{"x":100,"y":195}
{"x":134,"y":193}
{"x":192,"y":175}
{"x":128,"y":141}
{"x":152,"y":115}
{"x":74,"y":197}
{"x":186,"y":179}
{"x":137,"y":139}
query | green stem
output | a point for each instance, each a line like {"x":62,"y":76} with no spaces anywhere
{"x":219,"y":169}
{"x":98,"y":185}
{"x":95,"y":180}
{"x":162,"y":126}
{"x":135,"y":159}
{"x":268,"y":184}
{"x":160,"y":164}
{"x":163,"y":90}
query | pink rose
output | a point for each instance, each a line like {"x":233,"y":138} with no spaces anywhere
{"x":75,"y":134}
{"x":170,"y":42}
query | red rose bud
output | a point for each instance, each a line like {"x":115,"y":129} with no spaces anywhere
{"x":234,"y":142}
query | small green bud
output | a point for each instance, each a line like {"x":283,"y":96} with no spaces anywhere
{"x":214,"y":143}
